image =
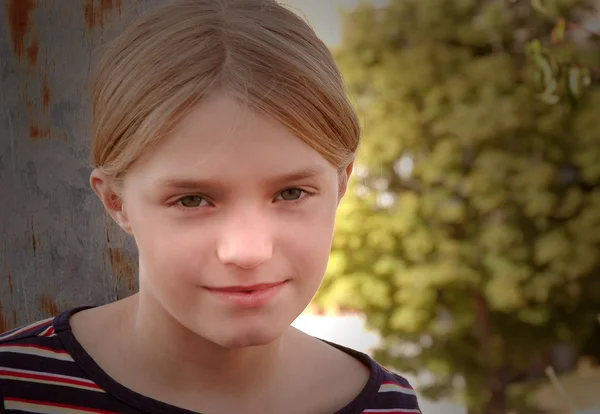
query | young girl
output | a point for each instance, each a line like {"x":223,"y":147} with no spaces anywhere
{"x":222,"y":143}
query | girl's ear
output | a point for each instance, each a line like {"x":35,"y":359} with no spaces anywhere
{"x":344,"y":177}
{"x":109,"y":192}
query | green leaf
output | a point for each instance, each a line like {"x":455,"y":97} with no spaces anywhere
{"x":558,"y":32}
{"x":538,"y":6}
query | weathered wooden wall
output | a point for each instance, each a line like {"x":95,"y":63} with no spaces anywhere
{"x":57,"y":247}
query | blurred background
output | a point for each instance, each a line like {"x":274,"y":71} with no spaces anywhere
{"x":466,"y":254}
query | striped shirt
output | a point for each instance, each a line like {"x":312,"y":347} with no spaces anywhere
{"x":43,"y":369}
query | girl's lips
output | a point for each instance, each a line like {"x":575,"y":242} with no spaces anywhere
{"x":260,"y":286}
{"x":251,"y":296}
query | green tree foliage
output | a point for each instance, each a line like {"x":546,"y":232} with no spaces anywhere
{"x":568,"y":72}
{"x":471,"y":233}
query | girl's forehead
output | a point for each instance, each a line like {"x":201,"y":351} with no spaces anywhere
{"x":220,"y":119}
{"x":224,"y":139}
{"x":236,"y":161}
{"x":221,"y":131}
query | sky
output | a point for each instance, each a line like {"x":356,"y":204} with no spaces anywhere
{"x":324,"y":17}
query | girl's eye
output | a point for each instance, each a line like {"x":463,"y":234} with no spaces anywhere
{"x":292,"y":194}
{"x":191,"y":201}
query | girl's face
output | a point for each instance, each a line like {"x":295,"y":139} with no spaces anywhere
{"x":233,"y":217}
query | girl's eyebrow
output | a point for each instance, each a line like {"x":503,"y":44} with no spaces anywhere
{"x":182,"y":183}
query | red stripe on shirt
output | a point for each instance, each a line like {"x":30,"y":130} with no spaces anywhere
{"x":50,"y":404}
{"x":49,"y":378}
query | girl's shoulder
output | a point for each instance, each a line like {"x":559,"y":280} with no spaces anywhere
{"x":39,"y":374}
{"x":41,"y":334}
{"x":382,"y":389}
{"x":29,"y":351}
{"x":32,"y":333}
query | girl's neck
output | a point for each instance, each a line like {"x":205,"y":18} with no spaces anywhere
{"x":166,"y":349}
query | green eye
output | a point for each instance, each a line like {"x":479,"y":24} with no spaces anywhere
{"x":191,"y":201}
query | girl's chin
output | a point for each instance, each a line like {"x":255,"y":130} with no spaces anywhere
{"x":240,"y":332}
{"x":247,"y":339}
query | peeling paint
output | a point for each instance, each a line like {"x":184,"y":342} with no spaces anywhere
{"x":45,"y":93}
{"x":107,"y":5}
{"x":34,"y":240}
{"x":48,"y":306}
{"x":35,"y":132}
{"x":19,"y":17}
{"x":121,"y":263}
{"x":33,"y":51}
{"x":3,"y":325}
{"x":47,"y":63}
{"x":89,"y":14}
{"x":94,"y":16}
{"x":10,"y":284}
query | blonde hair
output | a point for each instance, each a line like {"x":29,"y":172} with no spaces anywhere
{"x":258,"y":51}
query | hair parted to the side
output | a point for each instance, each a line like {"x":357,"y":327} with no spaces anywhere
{"x":259,"y":52}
